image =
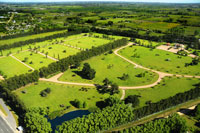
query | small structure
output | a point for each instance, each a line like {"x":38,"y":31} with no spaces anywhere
{"x":178,"y":45}
{"x":20,"y":128}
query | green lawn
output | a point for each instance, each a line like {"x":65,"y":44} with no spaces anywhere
{"x":112,"y":67}
{"x":37,"y":60}
{"x":56,"y":50}
{"x":11,"y":67}
{"x":168,"y":87}
{"x":60,"y":94}
{"x":156,"y":59}
{"x":89,"y":41}
{"x":10,"y":41}
{"x":147,"y":42}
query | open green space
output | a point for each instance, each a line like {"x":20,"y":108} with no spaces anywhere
{"x":11,"y":67}
{"x":147,"y":42}
{"x":60,"y":95}
{"x":161,"y":60}
{"x":112,"y":67}
{"x":10,"y":41}
{"x":58,"y":51}
{"x":89,"y":40}
{"x":34,"y":60}
{"x":169,"y":86}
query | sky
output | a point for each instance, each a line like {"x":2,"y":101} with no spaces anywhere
{"x":162,"y":1}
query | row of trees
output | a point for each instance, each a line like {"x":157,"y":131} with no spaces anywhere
{"x":172,"y":124}
{"x":27,"y":42}
{"x":174,"y":35}
{"x":19,"y":81}
{"x":107,"y":118}
{"x":29,"y":33}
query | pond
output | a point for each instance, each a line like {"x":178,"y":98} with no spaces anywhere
{"x":71,"y":115}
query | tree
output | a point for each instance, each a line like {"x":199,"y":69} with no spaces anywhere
{"x":197,"y":112}
{"x":110,"y":23}
{"x":46,"y":54}
{"x":87,"y":72}
{"x":84,"y":104}
{"x":133,"y":99}
{"x":112,"y":100}
{"x":35,"y":122}
{"x":114,"y":89}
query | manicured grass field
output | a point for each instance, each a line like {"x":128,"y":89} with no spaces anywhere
{"x":168,"y":87}
{"x":10,"y":41}
{"x":58,"y":50}
{"x":11,"y":67}
{"x":112,"y":67}
{"x":37,"y":60}
{"x":146,"y":42}
{"x":87,"y":41}
{"x":157,"y":59}
{"x":60,"y":94}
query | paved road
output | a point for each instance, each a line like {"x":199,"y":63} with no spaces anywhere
{"x":4,"y":128}
{"x":9,"y":118}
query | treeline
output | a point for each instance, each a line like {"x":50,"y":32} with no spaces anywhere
{"x":107,"y":118}
{"x":94,"y":123}
{"x":26,"y":42}
{"x":168,"y":37}
{"x":172,"y":124}
{"x":167,"y":103}
{"x":29,"y":33}
{"x":8,"y":85}
{"x":19,"y":81}
{"x":65,"y":63}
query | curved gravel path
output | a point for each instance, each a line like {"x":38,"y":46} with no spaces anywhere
{"x":161,"y":75}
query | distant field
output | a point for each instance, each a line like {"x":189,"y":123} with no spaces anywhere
{"x":11,"y":67}
{"x":37,"y":60}
{"x":89,"y":41}
{"x":157,"y":59}
{"x":60,"y":95}
{"x":112,"y":67}
{"x":168,"y":87}
{"x":10,"y":41}
{"x":146,"y":42}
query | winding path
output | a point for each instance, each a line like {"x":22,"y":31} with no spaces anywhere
{"x":161,"y":75}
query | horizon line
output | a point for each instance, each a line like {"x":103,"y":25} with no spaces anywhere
{"x":116,"y":1}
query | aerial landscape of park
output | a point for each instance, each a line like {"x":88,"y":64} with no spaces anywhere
{"x":99,"y":66}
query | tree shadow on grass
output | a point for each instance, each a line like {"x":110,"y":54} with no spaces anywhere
{"x":100,"y":104}
{"x":79,"y":73}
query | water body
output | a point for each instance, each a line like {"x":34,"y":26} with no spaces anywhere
{"x":71,"y":115}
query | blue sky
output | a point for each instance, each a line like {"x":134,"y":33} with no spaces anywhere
{"x":165,"y":1}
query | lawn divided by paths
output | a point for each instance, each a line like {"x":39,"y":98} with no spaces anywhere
{"x":58,"y":51}
{"x":11,"y":67}
{"x":60,"y":95}
{"x":160,"y":60}
{"x":169,"y":86}
{"x":112,"y":67}
{"x":37,"y":60}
